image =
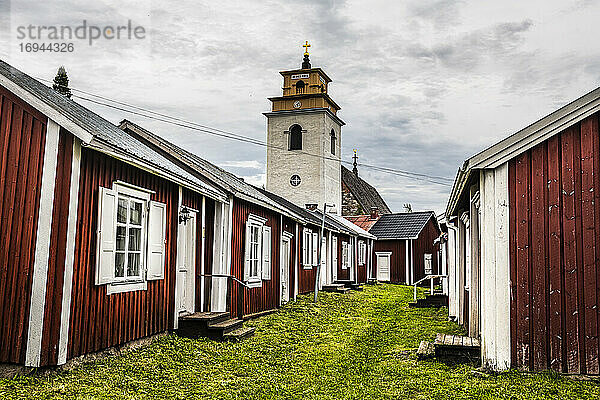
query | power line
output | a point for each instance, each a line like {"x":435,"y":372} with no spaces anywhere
{"x":146,"y":113}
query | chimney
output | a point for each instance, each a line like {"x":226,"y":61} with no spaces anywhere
{"x":311,"y":206}
{"x":374,"y":213}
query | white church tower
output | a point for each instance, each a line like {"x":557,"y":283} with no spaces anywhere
{"x":304,"y":138}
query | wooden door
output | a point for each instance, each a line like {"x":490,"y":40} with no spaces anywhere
{"x":186,"y":261}
{"x":285,"y":269}
{"x":383,"y":266}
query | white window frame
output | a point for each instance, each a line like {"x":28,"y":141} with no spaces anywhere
{"x":139,"y":194}
{"x":345,"y":255}
{"x":307,"y":249}
{"x":362,"y":252}
{"x":254,"y":277}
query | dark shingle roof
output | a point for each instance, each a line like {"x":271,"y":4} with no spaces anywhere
{"x":401,"y":225}
{"x":366,"y":195}
{"x":101,"y":134}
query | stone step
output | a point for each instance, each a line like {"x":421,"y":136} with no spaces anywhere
{"x":240,"y":334}
{"x":343,"y":290}
{"x":226,"y":326}
{"x":426,"y":350}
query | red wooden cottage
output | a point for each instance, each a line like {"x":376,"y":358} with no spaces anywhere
{"x":524,"y":243}
{"x":406,"y":249}
{"x":90,"y":221}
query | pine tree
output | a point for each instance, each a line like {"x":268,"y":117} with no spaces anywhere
{"x":61,"y":82}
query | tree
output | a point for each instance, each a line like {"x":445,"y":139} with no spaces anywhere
{"x":61,"y":82}
{"x":408,"y":207}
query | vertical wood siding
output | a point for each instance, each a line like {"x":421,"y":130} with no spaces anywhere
{"x":397,"y":259}
{"x":306,"y":279}
{"x":99,"y":320}
{"x":424,"y":245}
{"x":58,"y":249}
{"x":554,"y":192}
{"x":265,"y":297}
{"x":22,"y":141}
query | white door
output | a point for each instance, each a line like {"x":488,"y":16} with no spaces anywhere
{"x":186,"y":261}
{"x":383,"y":266}
{"x":285,"y":269}
{"x":334,"y":259}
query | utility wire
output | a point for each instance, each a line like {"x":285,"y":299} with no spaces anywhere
{"x":146,"y":113}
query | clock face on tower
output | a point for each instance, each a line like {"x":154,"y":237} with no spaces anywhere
{"x":297,"y":104}
{"x":295,"y":180}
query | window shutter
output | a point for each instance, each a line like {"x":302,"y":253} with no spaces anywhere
{"x":266,"y":250}
{"x":157,"y":225}
{"x":105,"y":261}
{"x":350,"y":255}
{"x":247,"y":254}
{"x":304,"y":248}
{"x":315,"y":248}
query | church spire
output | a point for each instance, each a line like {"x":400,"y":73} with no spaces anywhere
{"x":355,"y":164}
{"x":306,"y":61}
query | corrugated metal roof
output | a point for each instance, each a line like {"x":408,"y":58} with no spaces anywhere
{"x":106,"y":137}
{"x":401,"y":225}
{"x":219,"y":176}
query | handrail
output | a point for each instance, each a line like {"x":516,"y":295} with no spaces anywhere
{"x":226,"y":276}
{"x":431,"y":278}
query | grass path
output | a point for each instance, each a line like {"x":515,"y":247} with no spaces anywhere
{"x":359,"y":345}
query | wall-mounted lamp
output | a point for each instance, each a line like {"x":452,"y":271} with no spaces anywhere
{"x":184,"y":215}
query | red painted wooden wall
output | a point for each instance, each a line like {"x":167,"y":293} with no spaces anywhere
{"x":58,"y":250}
{"x":265,"y":297}
{"x":554,"y":194}
{"x":22,"y":141}
{"x":99,"y":320}
{"x":397,"y":259}
{"x":306,"y":276}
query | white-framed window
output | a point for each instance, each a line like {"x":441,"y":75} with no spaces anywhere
{"x":307,"y":248}
{"x":362,"y":252}
{"x":131,"y":238}
{"x":345,"y":255}
{"x":257,"y":264}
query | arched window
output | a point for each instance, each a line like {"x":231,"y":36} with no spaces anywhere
{"x":300,"y":87}
{"x":333,"y":139}
{"x":296,"y":137}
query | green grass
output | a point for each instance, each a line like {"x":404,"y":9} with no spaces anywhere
{"x":359,"y":345}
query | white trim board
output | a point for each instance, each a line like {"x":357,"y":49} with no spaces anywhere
{"x":46,"y":109}
{"x":42,"y":247}
{"x":70,"y":254}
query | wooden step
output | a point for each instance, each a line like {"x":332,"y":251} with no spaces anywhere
{"x":457,"y":348}
{"x":226,"y":326}
{"x":240,"y":334}
{"x":332,"y":288}
{"x":207,"y":316}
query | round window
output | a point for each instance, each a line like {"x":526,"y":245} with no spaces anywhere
{"x":295,"y":180}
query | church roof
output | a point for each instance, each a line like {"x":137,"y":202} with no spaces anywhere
{"x":401,"y":225}
{"x":366,"y":195}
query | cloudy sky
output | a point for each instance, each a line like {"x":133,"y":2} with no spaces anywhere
{"x":423,"y":84}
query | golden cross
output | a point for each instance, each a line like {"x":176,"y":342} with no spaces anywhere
{"x":306,"y":46}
